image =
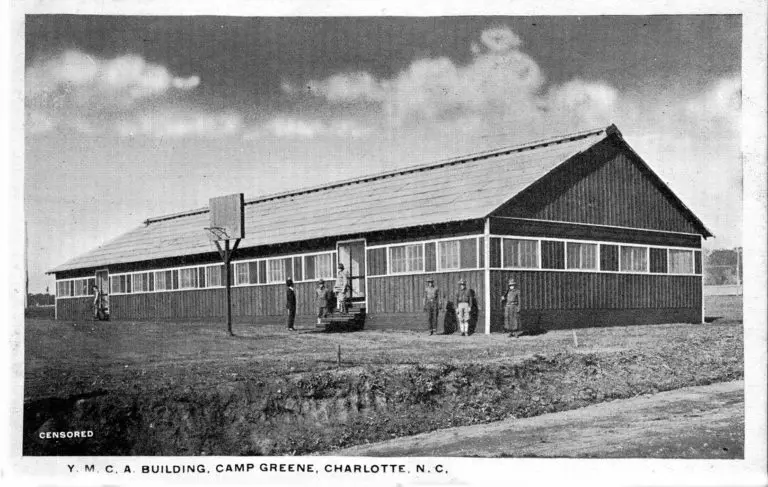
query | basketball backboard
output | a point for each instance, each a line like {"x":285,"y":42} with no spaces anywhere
{"x":227,"y":217}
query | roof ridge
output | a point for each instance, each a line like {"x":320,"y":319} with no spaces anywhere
{"x":530,"y":145}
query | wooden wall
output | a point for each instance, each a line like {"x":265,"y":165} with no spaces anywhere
{"x":397,"y":301}
{"x":249,"y":304}
{"x":580,"y":299}
{"x":603,"y":186}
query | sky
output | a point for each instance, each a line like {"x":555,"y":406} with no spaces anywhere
{"x":128,"y":117}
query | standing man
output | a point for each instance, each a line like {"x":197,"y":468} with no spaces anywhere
{"x":290,"y":303}
{"x":321,"y":300}
{"x":511,"y":302}
{"x":463,"y":306}
{"x":432,"y":304}
{"x":100,"y":304}
{"x":342,"y":288}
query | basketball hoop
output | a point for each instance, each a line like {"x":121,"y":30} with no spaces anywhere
{"x":227,"y":222}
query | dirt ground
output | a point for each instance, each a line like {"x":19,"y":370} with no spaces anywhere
{"x":693,"y":422}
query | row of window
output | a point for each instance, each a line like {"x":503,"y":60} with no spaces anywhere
{"x":75,"y":287}
{"x":441,"y":255}
{"x":528,"y":253}
{"x":261,"y":271}
{"x":511,"y":253}
{"x":429,"y":256}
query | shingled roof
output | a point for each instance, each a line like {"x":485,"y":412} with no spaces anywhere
{"x":410,"y":197}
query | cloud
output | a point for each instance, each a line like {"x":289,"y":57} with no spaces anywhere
{"x":300,"y":128}
{"x":175,"y":123}
{"x":80,"y":79}
{"x":500,"y":39}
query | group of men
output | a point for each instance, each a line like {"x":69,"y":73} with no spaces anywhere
{"x":464,"y":301}
{"x":324,"y":297}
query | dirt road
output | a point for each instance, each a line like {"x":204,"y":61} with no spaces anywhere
{"x":694,"y":422}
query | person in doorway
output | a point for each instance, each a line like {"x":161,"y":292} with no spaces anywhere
{"x":322,"y":295}
{"x":432,"y":305}
{"x":343,"y":289}
{"x":100,"y":310}
{"x":511,"y":302}
{"x":290,"y":303}
{"x":463,"y":302}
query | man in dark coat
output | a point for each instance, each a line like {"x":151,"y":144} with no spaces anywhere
{"x":322,"y":295}
{"x":511,"y":302}
{"x":290,"y":304}
{"x":464,"y":300}
{"x":432,"y":304}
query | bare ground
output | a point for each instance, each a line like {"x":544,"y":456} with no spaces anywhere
{"x":692,"y":422}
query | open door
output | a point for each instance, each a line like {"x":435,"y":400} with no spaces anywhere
{"x":352,"y":254}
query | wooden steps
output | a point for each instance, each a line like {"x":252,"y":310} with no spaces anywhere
{"x":352,"y":320}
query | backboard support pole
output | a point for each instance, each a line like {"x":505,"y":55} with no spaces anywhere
{"x":227,"y":222}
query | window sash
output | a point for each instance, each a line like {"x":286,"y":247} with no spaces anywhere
{"x":275,"y":271}
{"x":188,"y":278}
{"x":213,"y":276}
{"x":581,"y":256}
{"x":680,"y":261}
{"x":406,"y":258}
{"x":633,"y":259}
{"x":450,"y":255}
{"x":241,"y":273}
{"x":520,"y":253}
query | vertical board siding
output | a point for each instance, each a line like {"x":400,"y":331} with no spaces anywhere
{"x":405,"y":294}
{"x":616,"y":192}
{"x":562,"y":291}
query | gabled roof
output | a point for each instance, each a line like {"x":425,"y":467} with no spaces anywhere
{"x":466,"y":188}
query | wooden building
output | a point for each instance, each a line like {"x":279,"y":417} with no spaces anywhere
{"x":593,"y":236}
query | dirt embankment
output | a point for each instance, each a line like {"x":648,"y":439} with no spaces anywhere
{"x":322,"y":411}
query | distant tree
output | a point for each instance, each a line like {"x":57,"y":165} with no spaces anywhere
{"x":720,"y":266}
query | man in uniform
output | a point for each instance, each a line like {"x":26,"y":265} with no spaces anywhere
{"x":511,"y":302}
{"x":463,"y":306}
{"x":321,"y":300}
{"x":432,"y":304}
{"x":100,"y":304}
{"x":290,"y":303}
{"x":342,"y":289}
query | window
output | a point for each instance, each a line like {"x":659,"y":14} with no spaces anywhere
{"x":164,"y":280}
{"x":297,"y":269}
{"x":275,"y":270}
{"x":450,"y":254}
{"x":552,"y":254}
{"x":241,"y":273}
{"x":609,"y":257}
{"x":62,"y":289}
{"x":468,"y":253}
{"x":213,"y":275}
{"x":119,"y":284}
{"x":406,"y":258}
{"x":141,"y":282}
{"x":253,"y":272}
{"x":495,"y":253}
{"x":634,"y":259}
{"x":520,"y":253}
{"x":430,"y":257}
{"x":377,"y":261}
{"x":658,"y":260}
{"x":188,"y":278}
{"x":582,"y":255}
{"x":680,"y":261}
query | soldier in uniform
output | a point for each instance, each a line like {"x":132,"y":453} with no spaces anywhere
{"x":100,"y":304}
{"x":432,"y":304}
{"x":290,"y":303}
{"x":321,"y":300}
{"x":463,"y":303}
{"x":342,"y":289}
{"x":511,"y":302}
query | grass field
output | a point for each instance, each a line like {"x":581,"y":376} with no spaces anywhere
{"x":189,"y":388}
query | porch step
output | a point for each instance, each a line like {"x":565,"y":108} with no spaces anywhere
{"x":352,"y":320}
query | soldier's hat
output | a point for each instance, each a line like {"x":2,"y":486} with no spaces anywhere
{"x":341,"y":265}
{"x":289,"y":282}
{"x":462,"y":281}
{"x":512,"y":281}
{"x":429,"y":279}
{"x":321,"y":281}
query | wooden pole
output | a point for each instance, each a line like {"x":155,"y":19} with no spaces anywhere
{"x":338,"y":356}
{"x":575,"y":338}
{"x":227,"y":258}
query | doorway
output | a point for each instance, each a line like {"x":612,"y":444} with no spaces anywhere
{"x":351,"y":253}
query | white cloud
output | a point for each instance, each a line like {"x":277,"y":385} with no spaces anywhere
{"x":306,"y":128}
{"x":74,"y":77}
{"x":500,"y":39}
{"x":176,"y":123}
